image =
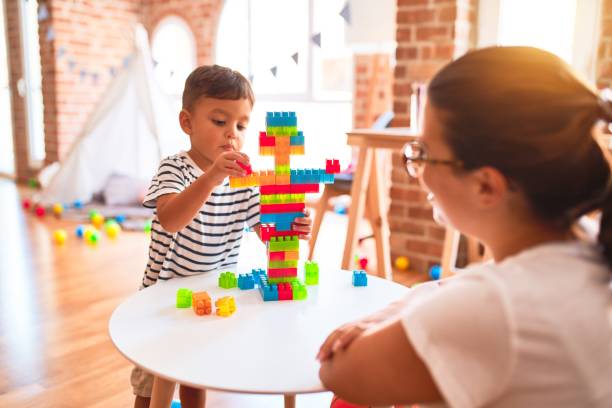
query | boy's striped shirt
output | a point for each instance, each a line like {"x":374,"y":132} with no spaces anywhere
{"x":212,"y":239}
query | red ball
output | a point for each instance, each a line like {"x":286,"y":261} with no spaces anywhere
{"x":40,"y":211}
{"x":363,"y":263}
{"x":26,"y":204}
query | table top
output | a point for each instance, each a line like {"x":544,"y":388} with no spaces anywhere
{"x":263,"y":348}
{"x":388,"y":138}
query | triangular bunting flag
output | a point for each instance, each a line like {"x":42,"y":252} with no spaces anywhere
{"x":273,"y":70}
{"x":112,"y":71}
{"x":60,"y":52}
{"x":71,"y":64}
{"x":346,"y":13}
{"x":251,"y":78}
{"x":82,"y":74}
{"x":43,"y":13}
{"x":317,"y":39}
{"x":295,"y":57}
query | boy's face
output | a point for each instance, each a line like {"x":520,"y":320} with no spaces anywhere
{"x":215,"y":126}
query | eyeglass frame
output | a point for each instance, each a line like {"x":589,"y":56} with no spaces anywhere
{"x":415,"y":163}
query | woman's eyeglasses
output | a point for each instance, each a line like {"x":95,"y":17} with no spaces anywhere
{"x":415,"y":155}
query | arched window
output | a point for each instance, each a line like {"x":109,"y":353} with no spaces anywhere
{"x":174,"y":54}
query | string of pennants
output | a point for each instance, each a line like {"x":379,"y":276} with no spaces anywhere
{"x":43,"y":14}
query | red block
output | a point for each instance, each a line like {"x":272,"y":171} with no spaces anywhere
{"x":282,"y":272}
{"x":304,"y":188}
{"x":269,"y":230}
{"x":276,"y":189}
{"x":332,"y":166}
{"x":276,"y":256}
{"x":285,"y":292}
{"x":245,"y":167}
{"x":281,"y":208}
{"x":265,"y":140}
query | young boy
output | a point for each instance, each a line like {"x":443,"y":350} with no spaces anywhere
{"x":199,"y":221}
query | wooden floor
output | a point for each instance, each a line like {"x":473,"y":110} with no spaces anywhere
{"x":55,"y":302}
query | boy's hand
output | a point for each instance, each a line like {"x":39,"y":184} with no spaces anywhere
{"x":226,"y":165}
{"x":303,"y":225}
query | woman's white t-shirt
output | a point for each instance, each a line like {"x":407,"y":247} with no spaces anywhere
{"x":531,"y":331}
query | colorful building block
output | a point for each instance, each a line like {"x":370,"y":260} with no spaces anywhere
{"x":201,"y":303}
{"x":360,"y":278}
{"x":226,"y":306}
{"x":311,"y":273}
{"x":228,"y":280}
{"x":183,"y":298}
{"x":332,"y":166}
{"x":246,"y":281}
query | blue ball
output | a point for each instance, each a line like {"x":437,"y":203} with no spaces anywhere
{"x":78,"y":204}
{"x":120,"y":218}
{"x":435,"y":272}
{"x":80,"y":230}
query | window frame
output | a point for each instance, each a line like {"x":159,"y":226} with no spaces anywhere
{"x":586,"y":34}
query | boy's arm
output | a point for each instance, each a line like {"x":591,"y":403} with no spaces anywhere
{"x":175,"y":211}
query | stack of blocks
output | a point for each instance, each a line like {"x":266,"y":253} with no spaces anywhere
{"x":282,"y":199}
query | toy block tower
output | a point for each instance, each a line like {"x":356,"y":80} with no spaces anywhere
{"x":282,"y":198}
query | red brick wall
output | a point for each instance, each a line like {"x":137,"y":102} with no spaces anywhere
{"x":95,"y":36}
{"x":430,"y":33}
{"x":372,"y":91}
{"x":604,"y":56}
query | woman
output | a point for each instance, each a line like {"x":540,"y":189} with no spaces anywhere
{"x":508,"y":156}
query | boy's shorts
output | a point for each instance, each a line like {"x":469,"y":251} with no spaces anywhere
{"x":142,"y":382}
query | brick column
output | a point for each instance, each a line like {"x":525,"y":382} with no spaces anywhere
{"x":604,"y":55}
{"x":430,"y":33}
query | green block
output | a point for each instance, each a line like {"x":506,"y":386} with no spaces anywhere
{"x":282,"y":169}
{"x":311,"y":273}
{"x":277,"y":244}
{"x":284,"y":279}
{"x":282,"y":264}
{"x":228,"y":280}
{"x":299,"y":290}
{"x":183,"y":298}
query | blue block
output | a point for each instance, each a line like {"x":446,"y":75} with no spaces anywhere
{"x":268,"y":292}
{"x":297,"y":140}
{"x":280,"y":218}
{"x":246,"y":281}
{"x":360,"y":278}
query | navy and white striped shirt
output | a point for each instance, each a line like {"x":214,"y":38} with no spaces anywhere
{"x":212,"y":239}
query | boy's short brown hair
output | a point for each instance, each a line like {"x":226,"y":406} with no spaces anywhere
{"x":215,"y":81}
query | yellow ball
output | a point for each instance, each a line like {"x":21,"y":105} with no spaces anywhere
{"x":58,"y":209}
{"x":59,"y":236}
{"x":402,"y":263}
{"x":97,"y":220}
{"x":112,"y":230}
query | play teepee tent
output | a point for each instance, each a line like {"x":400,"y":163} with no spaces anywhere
{"x":129,"y":131}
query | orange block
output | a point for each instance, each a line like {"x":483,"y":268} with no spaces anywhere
{"x":201,"y":303}
{"x":292,"y":256}
{"x":283,"y":179}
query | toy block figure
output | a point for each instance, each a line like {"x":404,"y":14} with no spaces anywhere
{"x":311,"y":273}
{"x":246,"y":281}
{"x":360,"y":278}
{"x":226,"y":306}
{"x":183,"y":298}
{"x":201,"y":302}
{"x":227,"y":280}
{"x":282,"y":198}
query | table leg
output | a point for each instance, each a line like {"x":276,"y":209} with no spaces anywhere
{"x":358,"y":194}
{"x":380,"y":224}
{"x":289,"y":401}
{"x":163,"y":391}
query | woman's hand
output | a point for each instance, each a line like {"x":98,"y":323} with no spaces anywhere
{"x":342,"y":337}
{"x":303,"y":225}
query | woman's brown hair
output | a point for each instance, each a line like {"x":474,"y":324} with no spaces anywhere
{"x":523,"y":111}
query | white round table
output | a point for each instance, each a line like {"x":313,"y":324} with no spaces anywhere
{"x":263,"y":348}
